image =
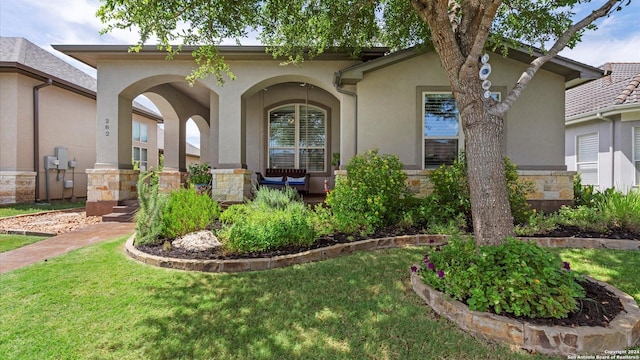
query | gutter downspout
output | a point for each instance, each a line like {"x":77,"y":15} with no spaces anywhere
{"x":336,"y":84}
{"x":612,"y":142}
{"x":36,"y":134}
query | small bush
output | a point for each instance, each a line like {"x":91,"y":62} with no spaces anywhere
{"x":451,"y":191}
{"x":186,"y":211}
{"x":516,"y":277}
{"x":371,"y":194}
{"x":262,"y":229}
{"x":621,"y":211}
{"x":149,"y":223}
{"x":275,"y":198}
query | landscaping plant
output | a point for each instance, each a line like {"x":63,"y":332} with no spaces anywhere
{"x":275,"y":219}
{"x":371,"y":194}
{"x":149,"y":223}
{"x":516,"y":277}
{"x":187,"y":211}
{"x":451,"y":191}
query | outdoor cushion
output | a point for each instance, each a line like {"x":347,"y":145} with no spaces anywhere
{"x":295,"y":181}
{"x":272,"y":180}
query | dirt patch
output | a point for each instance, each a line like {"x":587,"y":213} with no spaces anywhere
{"x":57,"y":222}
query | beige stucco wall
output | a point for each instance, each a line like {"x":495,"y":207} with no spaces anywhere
{"x":67,"y":119}
{"x":390,"y":114}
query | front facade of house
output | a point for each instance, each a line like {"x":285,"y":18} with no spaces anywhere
{"x":274,"y":116}
{"x":602,"y":136}
{"x":48,"y":108}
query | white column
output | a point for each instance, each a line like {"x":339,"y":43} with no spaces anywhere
{"x":230,"y":132}
{"x":113,"y":131}
{"x":348,"y":129}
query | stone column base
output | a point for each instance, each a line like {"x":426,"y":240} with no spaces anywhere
{"x":17,"y":187}
{"x":231,"y":185}
{"x":106,"y":187}
{"x":170,"y":180}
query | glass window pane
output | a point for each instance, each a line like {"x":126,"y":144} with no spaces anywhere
{"x":588,"y":173}
{"x":587,"y":148}
{"x":282,"y":158}
{"x":282,"y":127}
{"x":143,"y":154}
{"x":440,"y":115}
{"x":638,"y":173}
{"x":136,"y":153}
{"x":440,"y":151}
{"x":312,"y":127}
{"x":312,"y":159}
{"x":143,"y":132}
{"x":136,"y":131}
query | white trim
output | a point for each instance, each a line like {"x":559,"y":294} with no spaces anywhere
{"x":635,"y":151}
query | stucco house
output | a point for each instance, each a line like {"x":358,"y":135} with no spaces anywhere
{"x":48,"y":108}
{"x":274,"y":116}
{"x":602,"y":136}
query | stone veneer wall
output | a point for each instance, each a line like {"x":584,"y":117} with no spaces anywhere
{"x":17,"y":186}
{"x":552,"y":189}
{"x":105,"y":187}
{"x":231,"y":185}
{"x":170,"y":180}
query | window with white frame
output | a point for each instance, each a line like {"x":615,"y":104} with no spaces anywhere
{"x":636,"y":153}
{"x":140,"y":157}
{"x":587,"y":158}
{"x":297,"y":138}
{"x":140,"y":132}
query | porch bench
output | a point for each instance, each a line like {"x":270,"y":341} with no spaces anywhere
{"x":279,"y":178}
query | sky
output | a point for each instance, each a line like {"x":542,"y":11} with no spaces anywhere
{"x":73,"y":22}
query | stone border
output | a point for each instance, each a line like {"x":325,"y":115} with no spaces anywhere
{"x":622,"y":332}
{"x":239,"y":265}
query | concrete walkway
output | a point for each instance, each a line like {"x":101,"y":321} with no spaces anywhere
{"x":61,"y":244}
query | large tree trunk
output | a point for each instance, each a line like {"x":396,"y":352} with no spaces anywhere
{"x":490,"y":209}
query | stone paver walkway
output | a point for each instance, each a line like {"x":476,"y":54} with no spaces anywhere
{"x":61,"y":244}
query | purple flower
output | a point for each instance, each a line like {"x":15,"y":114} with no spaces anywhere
{"x":431,"y":241}
{"x":438,"y":248}
{"x":426,"y":259}
{"x":566,"y":266}
{"x":440,"y":274}
{"x":431,"y":266}
{"x":414,"y":268}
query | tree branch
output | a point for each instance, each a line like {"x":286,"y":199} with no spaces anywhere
{"x":501,"y":108}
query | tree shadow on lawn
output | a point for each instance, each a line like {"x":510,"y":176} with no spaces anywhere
{"x":352,"y":307}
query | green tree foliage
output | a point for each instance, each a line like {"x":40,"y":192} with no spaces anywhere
{"x":459,"y":31}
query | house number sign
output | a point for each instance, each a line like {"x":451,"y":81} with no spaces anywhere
{"x":106,"y":127}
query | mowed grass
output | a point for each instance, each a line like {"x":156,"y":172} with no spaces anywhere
{"x":10,"y":242}
{"x":96,"y":303}
{"x":33,"y":208}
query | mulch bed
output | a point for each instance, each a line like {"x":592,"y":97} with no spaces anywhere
{"x":572,"y":231}
{"x":598,"y":307}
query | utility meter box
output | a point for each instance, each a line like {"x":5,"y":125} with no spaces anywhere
{"x":62,"y":154}
{"x":50,"y":162}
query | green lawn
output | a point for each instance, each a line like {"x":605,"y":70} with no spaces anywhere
{"x":32,"y":208}
{"x":10,"y":242}
{"x":97,"y":303}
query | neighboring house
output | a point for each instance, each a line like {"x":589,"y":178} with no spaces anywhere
{"x":48,"y":108}
{"x":192,"y":152}
{"x":602,"y":128}
{"x":274,"y":116}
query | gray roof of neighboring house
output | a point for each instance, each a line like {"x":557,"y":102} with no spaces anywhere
{"x":21,"y":54}
{"x":620,"y":86}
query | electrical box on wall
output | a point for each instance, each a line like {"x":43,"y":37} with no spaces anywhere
{"x":62,"y":154}
{"x":50,"y":162}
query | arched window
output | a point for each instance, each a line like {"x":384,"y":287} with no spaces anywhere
{"x":297,"y":138}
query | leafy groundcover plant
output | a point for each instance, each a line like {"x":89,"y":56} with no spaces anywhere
{"x":517,"y":277}
{"x":275,"y":219}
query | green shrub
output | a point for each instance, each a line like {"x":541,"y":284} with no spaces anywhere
{"x":583,"y":217}
{"x":261,"y":229}
{"x":621,"y":211}
{"x":371,"y":194}
{"x":516,"y":277}
{"x":538,"y":223}
{"x":187,"y":211}
{"x":275,"y":198}
{"x":233,"y":213}
{"x":451,"y":191}
{"x":148,"y":218}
